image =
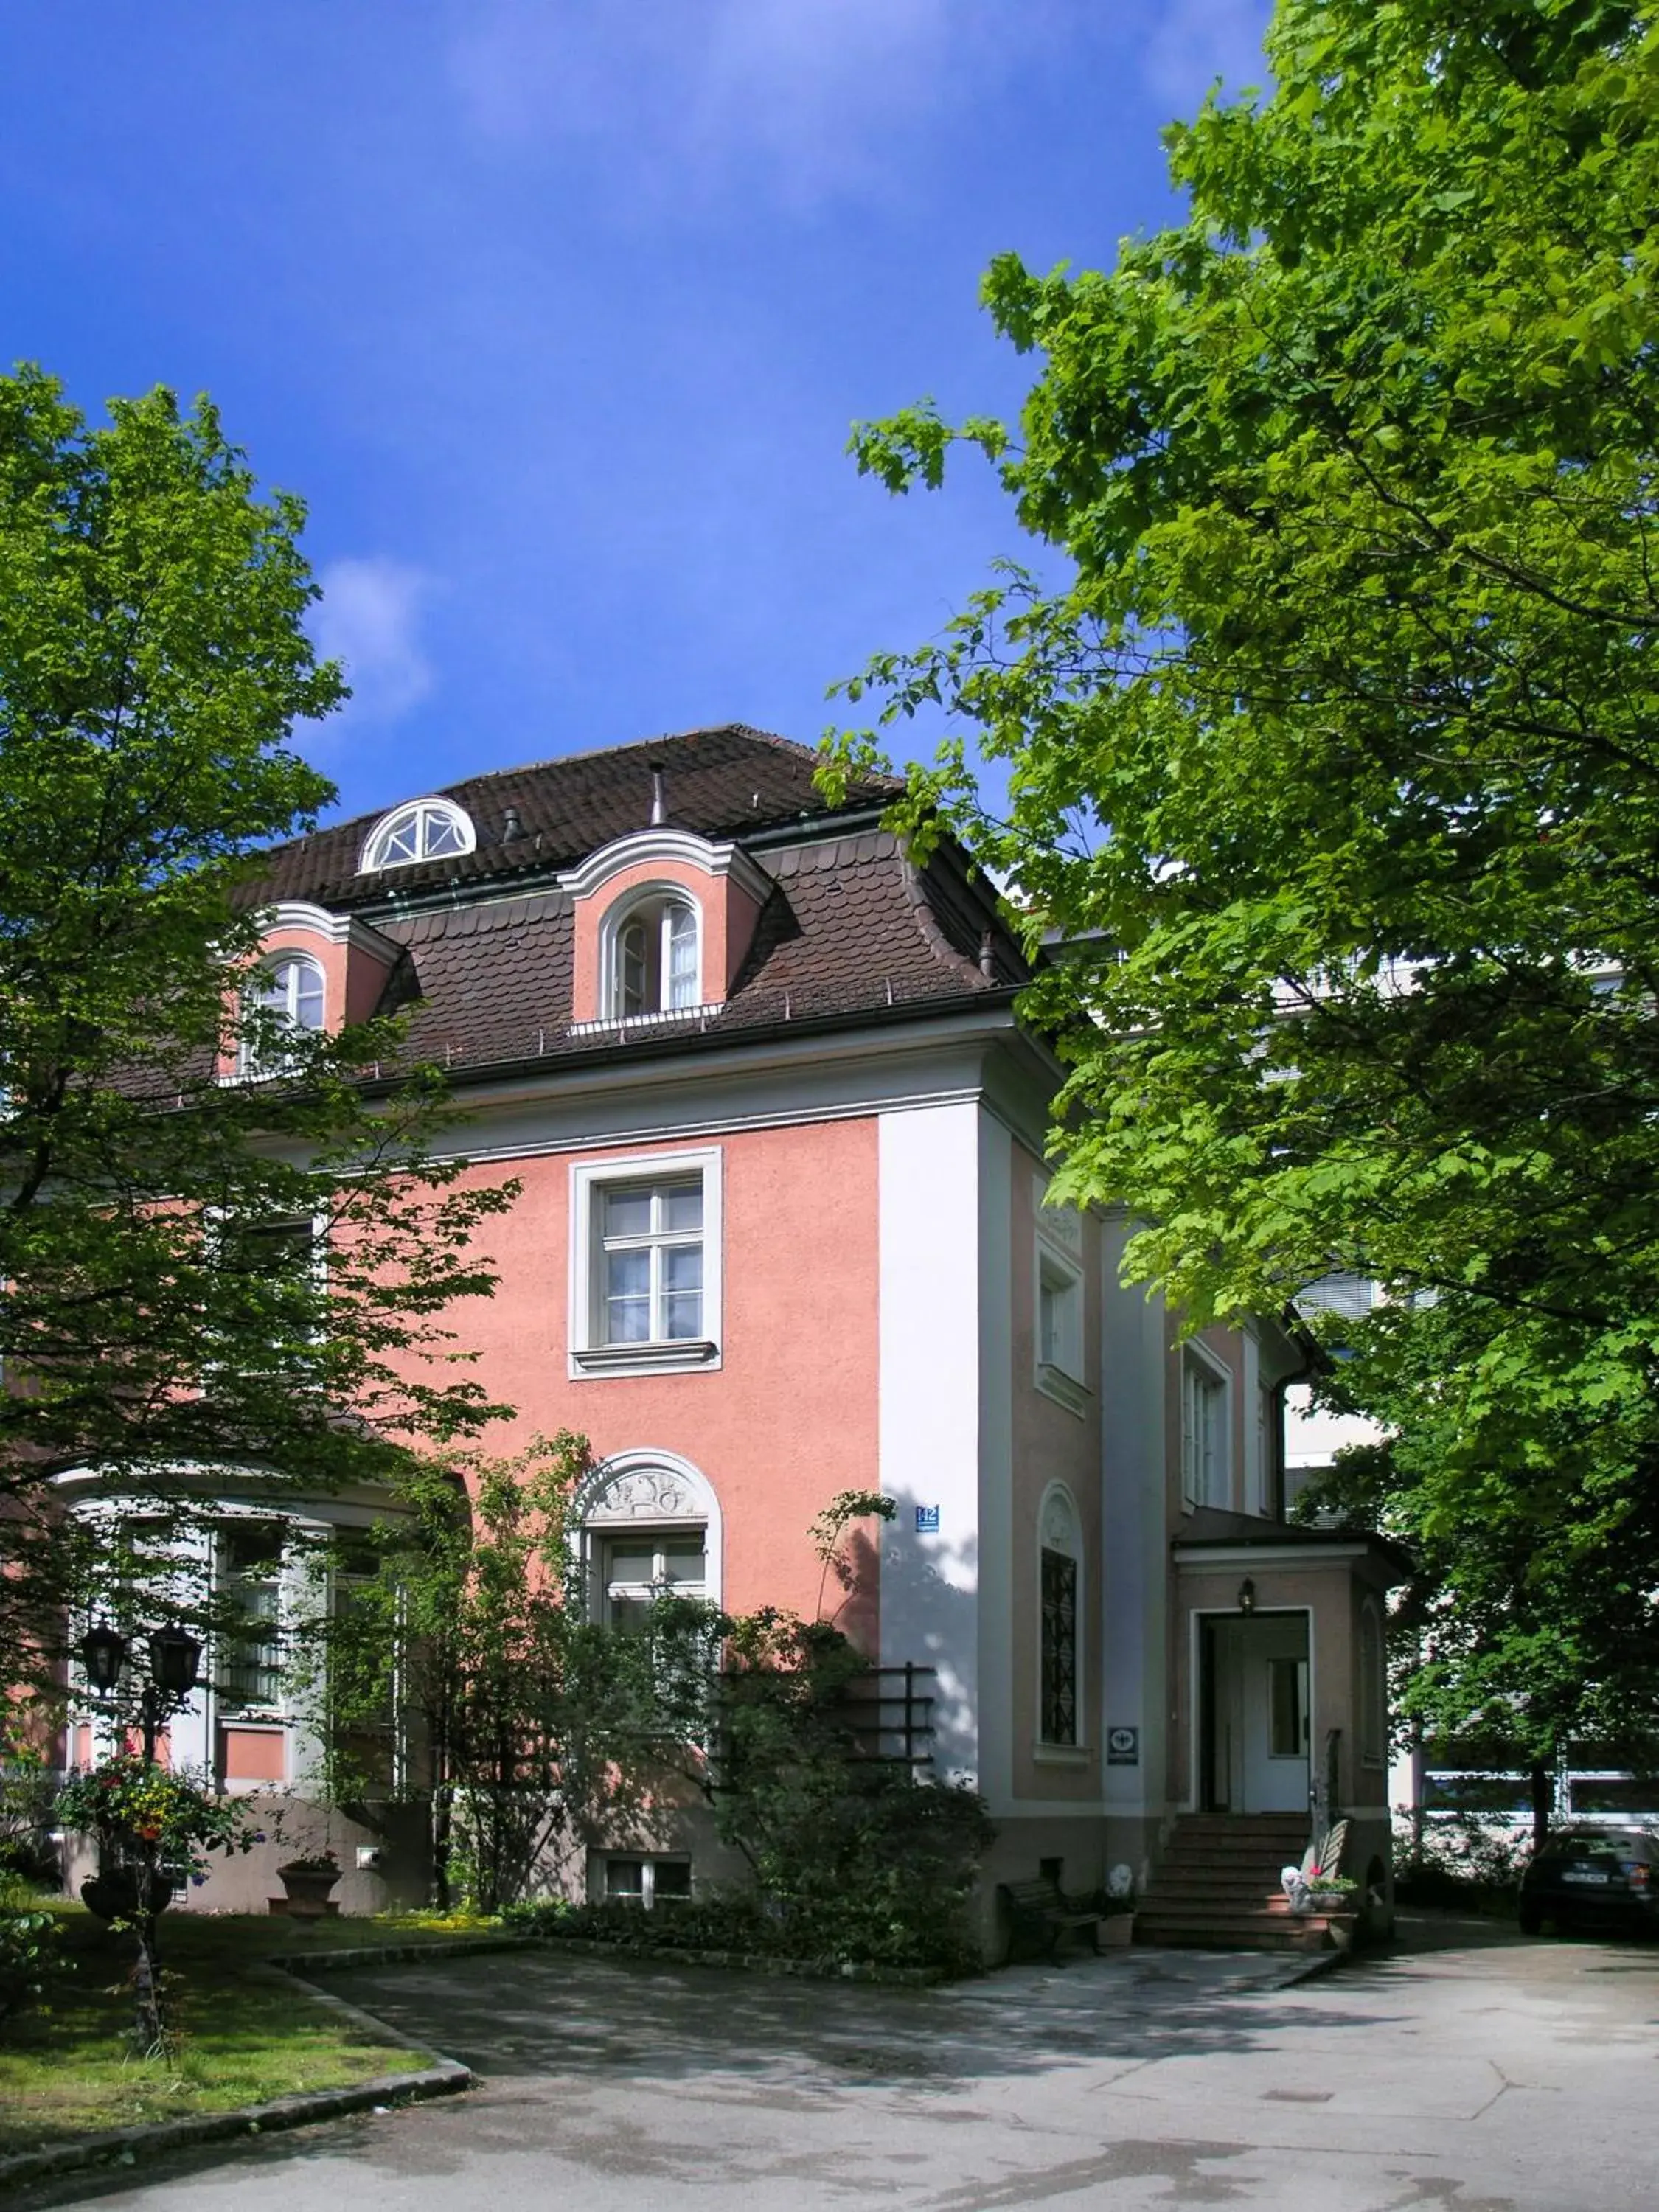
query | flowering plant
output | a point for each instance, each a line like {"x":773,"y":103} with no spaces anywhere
{"x":313,"y":1862}
{"x":175,"y":1816}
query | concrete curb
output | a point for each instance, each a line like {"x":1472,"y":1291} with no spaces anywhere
{"x":303,"y":1964}
{"x":752,"y":1962}
{"x":440,"y":2077}
{"x":1322,"y":1962}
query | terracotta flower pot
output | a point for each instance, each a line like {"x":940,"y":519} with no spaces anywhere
{"x":307,"y":1889}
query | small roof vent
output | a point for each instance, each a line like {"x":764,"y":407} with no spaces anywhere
{"x":658,"y":801}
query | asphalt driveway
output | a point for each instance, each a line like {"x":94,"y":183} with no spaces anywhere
{"x":1482,"y":2073}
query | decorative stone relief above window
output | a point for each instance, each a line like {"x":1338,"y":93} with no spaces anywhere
{"x":650,"y":1525}
{"x":653,"y":1493}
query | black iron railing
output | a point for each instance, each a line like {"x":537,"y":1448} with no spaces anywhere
{"x":888,"y":1711}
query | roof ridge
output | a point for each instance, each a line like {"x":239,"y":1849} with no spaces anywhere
{"x":555,"y":760}
{"x":633,"y":744}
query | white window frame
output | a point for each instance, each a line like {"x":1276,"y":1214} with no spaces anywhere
{"x":648,"y":1862}
{"x":270,"y":966}
{"x":225,"y":1579}
{"x":1371,"y":1666}
{"x":635,"y":907}
{"x":220,"y":1220}
{"x":1262,"y":1461}
{"x":423,"y":812}
{"x":602,"y":1539}
{"x":588,"y":1355}
{"x":1057,"y":1267}
{"x":1206,"y":1478}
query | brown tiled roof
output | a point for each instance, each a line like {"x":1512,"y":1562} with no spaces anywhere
{"x":849,"y":927}
{"x":846,"y":931}
{"x":724,"y":783}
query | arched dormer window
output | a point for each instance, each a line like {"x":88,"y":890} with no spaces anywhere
{"x":290,"y":990}
{"x":655,"y":963}
{"x":426,"y":829}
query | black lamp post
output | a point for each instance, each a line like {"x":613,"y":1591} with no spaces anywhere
{"x":175,"y":1666}
{"x":175,"y":1662}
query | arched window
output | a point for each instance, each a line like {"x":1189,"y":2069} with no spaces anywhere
{"x":1059,"y":1600}
{"x":290,"y":991}
{"x":426,"y":829}
{"x":650,"y":1526}
{"x":655,"y":963}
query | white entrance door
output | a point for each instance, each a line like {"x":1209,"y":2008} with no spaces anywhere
{"x":1261,"y":1699}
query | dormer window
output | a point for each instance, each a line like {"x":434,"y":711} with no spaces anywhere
{"x":290,"y":990}
{"x":655,"y":963}
{"x":427,"y":829}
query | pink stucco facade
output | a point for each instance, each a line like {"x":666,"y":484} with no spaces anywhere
{"x":788,"y":1417}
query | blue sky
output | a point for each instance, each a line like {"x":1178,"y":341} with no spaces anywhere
{"x":557,"y":313}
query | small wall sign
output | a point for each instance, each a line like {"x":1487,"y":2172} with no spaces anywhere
{"x":926,"y":1520}
{"x":1123,"y":1747}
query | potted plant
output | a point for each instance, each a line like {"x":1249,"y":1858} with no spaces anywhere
{"x":1332,"y":1892}
{"x":1118,"y":1927}
{"x":155,"y":1826}
{"x":307,"y":1881}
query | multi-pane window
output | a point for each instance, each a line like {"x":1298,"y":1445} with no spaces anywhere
{"x":647,"y":1882}
{"x":655,"y":959}
{"x":278,"y":1314}
{"x":249,"y":1670}
{"x":1205,"y":1478}
{"x":644,"y":1263}
{"x":1059,"y":1648}
{"x":1059,"y":1317}
{"x":291,"y":991}
{"x":1057,"y":1277}
{"x":638,"y":1567}
{"x":428,"y":830}
{"x":651,"y":1252}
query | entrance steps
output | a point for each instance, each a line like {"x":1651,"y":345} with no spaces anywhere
{"x":1218,"y":1887}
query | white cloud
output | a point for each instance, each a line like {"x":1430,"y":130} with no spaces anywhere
{"x":816,"y":88}
{"x":1196,"y":41}
{"x":368,"y":617}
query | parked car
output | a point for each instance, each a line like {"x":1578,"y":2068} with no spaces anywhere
{"x":1593,"y":1877}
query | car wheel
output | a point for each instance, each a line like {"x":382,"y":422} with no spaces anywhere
{"x":1531,"y":1920}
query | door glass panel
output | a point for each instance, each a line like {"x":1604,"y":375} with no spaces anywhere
{"x":1288,"y":1707}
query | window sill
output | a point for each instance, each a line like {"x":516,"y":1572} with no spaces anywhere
{"x":663,"y":1018}
{"x":1061,"y":1754}
{"x":1054,"y":1383}
{"x":663,"y":1357}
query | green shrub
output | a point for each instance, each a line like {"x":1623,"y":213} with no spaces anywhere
{"x":28,"y":1948}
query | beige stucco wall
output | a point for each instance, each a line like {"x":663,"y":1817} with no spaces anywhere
{"x":1051,"y":1443}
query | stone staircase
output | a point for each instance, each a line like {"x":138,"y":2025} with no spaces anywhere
{"x":1217,"y":1886}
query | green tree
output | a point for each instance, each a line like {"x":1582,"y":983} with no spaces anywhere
{"x":161,"y":1316}
{"x":454,"y":1664}
{"x":1331,"y":762}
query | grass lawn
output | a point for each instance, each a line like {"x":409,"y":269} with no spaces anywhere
{"x":243,"y":2035}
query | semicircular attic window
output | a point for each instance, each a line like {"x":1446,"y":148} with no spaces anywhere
{"x":426,"y":829}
